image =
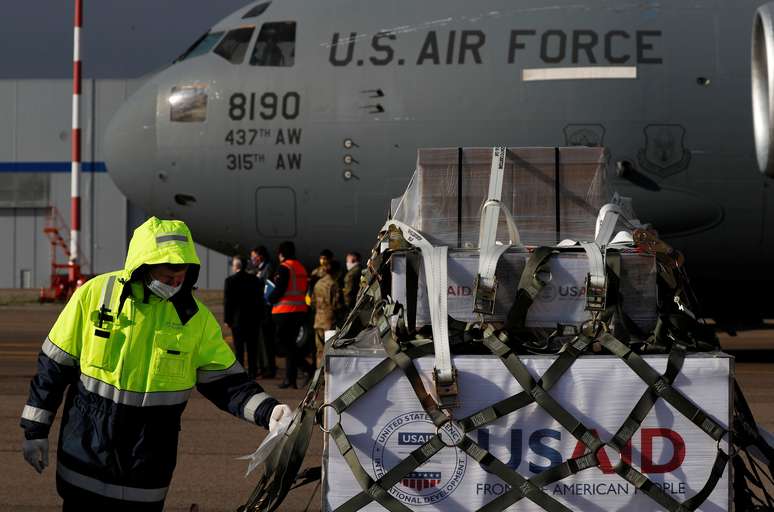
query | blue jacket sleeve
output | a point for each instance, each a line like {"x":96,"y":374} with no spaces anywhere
{"x":223,"y":381}
{"x":46,"y":391}
{"x":240,"y":396}
{"x":58,"y":367}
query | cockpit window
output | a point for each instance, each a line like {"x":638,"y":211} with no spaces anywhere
{"x":256,"y":10}
{"x":276,"y":44}
{"x":188,"y":104}
{"x":234,"y":45}
{"x":202,"y":45}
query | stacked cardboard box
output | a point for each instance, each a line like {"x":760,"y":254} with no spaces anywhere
{"x":553,"y":193}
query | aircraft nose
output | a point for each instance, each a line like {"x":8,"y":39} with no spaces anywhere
{"x":130,"y":146}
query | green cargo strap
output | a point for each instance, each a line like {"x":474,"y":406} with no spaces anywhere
{"x":746,"y":432}
{"x":524,"y":487}
{"x":513,"y":403}
{"x":547,"y":477}
{"x":495,"y":411}
{"x":546,"y":401}
{"x":716,"y":473}
{"x":566,"y":358}
{"x":361,"y":387}
{"x":372,"y":290}
{"x":647,"y":487}
{"x":350,"y":457}
{"x":613,"y":288}
{"x":283,"y":464}
{"x":662,"y":388}
{"x":529,"y":286}
{"x":640,"y":411}
{"x":379,"y":491}
{"x":405,"y":361}
{"x":374,"y":377}
{"x":412,"y":289}
{"x":686,"y":328}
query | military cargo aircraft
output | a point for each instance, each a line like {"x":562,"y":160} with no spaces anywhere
{"x":300,"y":120}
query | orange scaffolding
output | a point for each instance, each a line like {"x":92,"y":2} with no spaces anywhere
{"x":63,"y":284}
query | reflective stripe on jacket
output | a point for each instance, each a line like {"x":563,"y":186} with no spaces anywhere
{"x":294,"y":299}
{"x":131,"y":363}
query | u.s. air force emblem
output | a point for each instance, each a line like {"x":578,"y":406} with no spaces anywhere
{"x":664,"y":153}
{"x":435,"y":480}
{"x":590,"y":135}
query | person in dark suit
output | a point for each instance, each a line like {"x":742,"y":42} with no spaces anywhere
{"x":260,"y":266}
{"x":242,"y":309}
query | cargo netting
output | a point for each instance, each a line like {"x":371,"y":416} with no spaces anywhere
{"x":553,"y":194}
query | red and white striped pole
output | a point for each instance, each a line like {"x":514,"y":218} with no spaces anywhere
{"x":75,"y":180}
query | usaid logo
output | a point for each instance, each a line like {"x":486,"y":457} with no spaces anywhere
{"x":459,"y":291}
{"x":413,"y":438}
{"x":659,"y":450}
{"x":440,"y":476}
{"x":552,"y":292}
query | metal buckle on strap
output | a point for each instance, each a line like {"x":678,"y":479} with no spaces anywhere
{"x":595,"y":295}
{"x":447,"y":392}
{"x":320,"y":419}
{"x":396,"y":240}
{"x":484,"y":296}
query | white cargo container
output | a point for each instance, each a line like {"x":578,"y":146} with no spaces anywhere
{"x":388,"y":423}
{"x":562,"y":300}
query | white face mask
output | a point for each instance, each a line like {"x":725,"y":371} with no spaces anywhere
{"x":162,"y":290}
{"x":351,"y":265}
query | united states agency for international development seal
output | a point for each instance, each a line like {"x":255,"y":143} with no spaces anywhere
{"x":435,"y":480}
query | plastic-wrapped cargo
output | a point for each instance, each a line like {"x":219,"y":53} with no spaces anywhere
{"x":552,"y":193}
{"x":562,"y":301}
{"x":600,"y":391}
{"x":485,"y":418}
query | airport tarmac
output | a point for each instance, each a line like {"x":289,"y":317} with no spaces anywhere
{"x":208,"y":473}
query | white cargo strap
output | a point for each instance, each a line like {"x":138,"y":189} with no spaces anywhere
{"x":606,"y":222}
{"x":627,"y":210}
{"x":619,"y":209}
{"x":490,"y":252}
{"x":435,"y":263}
{"x":596,"y":281}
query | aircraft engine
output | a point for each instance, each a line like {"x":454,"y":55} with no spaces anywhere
{"x":763,"y":86}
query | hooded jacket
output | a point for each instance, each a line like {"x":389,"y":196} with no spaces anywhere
{"x":131,"y":361}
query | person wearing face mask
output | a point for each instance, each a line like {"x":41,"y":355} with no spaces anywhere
{"x":326,"y":257}
{"x":128,"y":349}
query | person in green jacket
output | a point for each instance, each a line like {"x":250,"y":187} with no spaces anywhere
{"x":128,"y":349}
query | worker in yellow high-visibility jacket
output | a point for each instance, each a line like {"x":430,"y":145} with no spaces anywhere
{"x":131,"y":345}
